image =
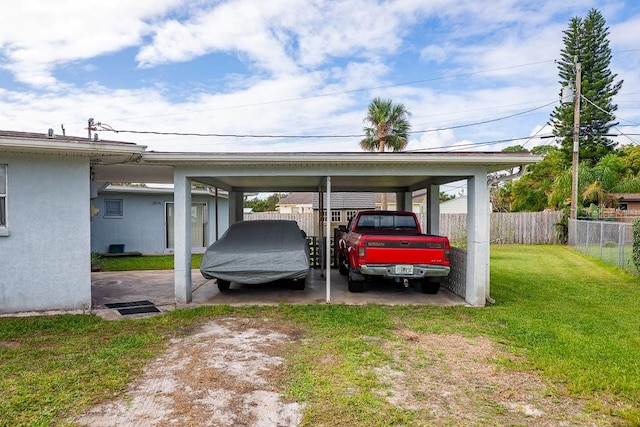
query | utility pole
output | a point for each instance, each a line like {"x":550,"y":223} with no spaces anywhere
{"x":90,"y":127}
{"x":576,"y":142}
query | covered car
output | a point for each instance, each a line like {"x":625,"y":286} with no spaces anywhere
{"x":261,"y":251}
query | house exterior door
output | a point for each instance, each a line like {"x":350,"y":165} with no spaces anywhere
{"x":198,"y":225}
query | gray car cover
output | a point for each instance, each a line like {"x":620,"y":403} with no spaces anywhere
{"x":258,"y":251}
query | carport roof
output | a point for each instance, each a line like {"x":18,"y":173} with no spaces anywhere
{"x":350,"y":171}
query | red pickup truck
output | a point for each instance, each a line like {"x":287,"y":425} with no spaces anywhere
{"x":390,"y":244}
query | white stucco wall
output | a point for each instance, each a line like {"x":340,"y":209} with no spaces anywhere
{"x":142,"y":227}
{"x":45,"y":260}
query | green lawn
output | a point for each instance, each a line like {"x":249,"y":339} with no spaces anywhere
{"x":154,"y":262}
{"x":570,"y":319}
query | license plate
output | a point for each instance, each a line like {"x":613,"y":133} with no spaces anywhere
{"x":404,"y":269}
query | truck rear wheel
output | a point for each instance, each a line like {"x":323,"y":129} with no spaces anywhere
{"x":430,"y":286}
{"x":355,"y":284}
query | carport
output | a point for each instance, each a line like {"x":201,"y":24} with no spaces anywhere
{"x":400,"y":173}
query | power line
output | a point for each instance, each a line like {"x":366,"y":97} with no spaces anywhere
{"x":485,"y":121}
{"x":473,"y":144}
{"x":628,"y":136}
{"x":607,"y":112}
{"x":106,"y":127}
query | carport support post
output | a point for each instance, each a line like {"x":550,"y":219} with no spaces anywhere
{"x":404,"y":201}
{"x":433,"y":209}
{"x":182,"y":237}
{"x":478,"y":248}
{"x":327,"y":248}
{"x":236,"y":206}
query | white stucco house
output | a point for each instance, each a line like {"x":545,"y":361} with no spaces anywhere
{"x":45,"y":230}
{"x":140,"y":219}
{"x":47,"y":185}
{"x":454,"y":206}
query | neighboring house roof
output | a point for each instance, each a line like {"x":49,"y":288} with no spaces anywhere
{"x":391,"y":197}
{"x":454,"y":206}
{"x":298,"y":198}
{"x":338,"y":200}
{"x":343,"y":200}
{"x":627,"y":197}
{"x":347,"y":201}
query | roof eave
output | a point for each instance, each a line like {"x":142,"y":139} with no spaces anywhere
{"x":503,"y":160}
{"x":93,"y":150}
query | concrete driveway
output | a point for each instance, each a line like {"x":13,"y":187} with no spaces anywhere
{"x":157,"y":287}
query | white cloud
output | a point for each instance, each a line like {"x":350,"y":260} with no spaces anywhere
{"x":35,"y":36}
{"x":241,"y":27}
{"x":306,"y":64}
{"x":278,"y":37}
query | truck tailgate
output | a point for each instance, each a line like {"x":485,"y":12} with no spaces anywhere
{"x":405,"y":250}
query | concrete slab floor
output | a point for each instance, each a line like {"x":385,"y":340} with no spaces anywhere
{"x":157,"y":286}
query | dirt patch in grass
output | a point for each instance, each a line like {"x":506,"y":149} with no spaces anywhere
{"x":231,"y":372}
{"x":227,"y":373}
{"x":454,"y":380}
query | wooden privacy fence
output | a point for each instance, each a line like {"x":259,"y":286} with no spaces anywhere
{"x":506,"y":228}
{"x":304,"y":220}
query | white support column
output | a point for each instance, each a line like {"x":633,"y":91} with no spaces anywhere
{"x":433,"y":206}
{"x":217,"y":211}
{"x":182,"y":237}
{"x":400,"y":202}
{"x":236,"y":206}
{"x":478,"y":249}
{"x":240,"y":207}
{"x":327,"y":248}
{"x":321,"y":230}
{"x":404,"y":201}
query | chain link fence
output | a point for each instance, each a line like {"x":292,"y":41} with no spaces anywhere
{"x":610,"y":241}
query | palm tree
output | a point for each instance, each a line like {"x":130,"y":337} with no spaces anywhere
{"x":387,"y":127}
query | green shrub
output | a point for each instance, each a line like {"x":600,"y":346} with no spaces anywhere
{"x":636,"y":242}
{"x":562,"y":227}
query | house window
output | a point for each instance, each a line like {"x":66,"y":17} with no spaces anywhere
{"x":623,"y":206}
{"x":3,"y":200}
{"x":336,"y":216}
{"x":350,"y":215}
{"x":113,"y":208}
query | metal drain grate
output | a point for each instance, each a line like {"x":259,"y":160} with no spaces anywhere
{"x":134,"y":307}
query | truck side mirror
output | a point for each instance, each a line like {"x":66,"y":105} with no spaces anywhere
{"x":342,"y":228}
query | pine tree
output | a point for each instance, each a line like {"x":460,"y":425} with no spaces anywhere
{"x":586,"y":41}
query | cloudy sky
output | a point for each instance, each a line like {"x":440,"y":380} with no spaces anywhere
{"x":472,"y":73}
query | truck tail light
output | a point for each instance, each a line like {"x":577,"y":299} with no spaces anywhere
{"x":361,"y":251}
{"x":447,"y":252}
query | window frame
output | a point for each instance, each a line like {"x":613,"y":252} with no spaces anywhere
{"x":110,"y":215}
{"x":336,"y":215}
